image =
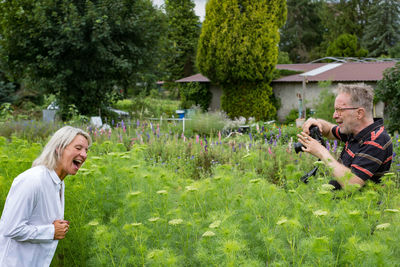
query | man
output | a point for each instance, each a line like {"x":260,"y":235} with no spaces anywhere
{"x":368,"y":149}
{"x":33,"y":217}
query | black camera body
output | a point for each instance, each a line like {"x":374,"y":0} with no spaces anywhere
{"x":314,"y":133}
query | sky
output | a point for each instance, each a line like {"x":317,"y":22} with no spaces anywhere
{"x":200,"y":8}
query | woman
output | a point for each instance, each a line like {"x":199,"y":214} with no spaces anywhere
{"x":33,"y":217}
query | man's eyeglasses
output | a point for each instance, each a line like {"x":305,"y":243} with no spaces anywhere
{"x":340,"y":110}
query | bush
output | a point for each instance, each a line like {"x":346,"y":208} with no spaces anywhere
{"x":253,"y":99}
{"x":325,"y":106}
{"x":388,"y":91}
{"x":195,"y":93}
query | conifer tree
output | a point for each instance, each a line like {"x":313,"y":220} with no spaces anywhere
{"x":238,"y":49}
{"x":182,"y":37}
{"x":302,"y":32}
{"x":383,"y":29}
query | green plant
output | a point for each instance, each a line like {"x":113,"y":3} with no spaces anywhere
{"x":326,"y":104}
{"x":193,"y":94}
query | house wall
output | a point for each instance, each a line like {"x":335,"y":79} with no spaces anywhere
{"x":216,"y":98}
{"x":287,"y":93}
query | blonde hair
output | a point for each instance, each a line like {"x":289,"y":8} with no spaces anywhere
{"x":361,"y":95}
{"x":55,"y":147}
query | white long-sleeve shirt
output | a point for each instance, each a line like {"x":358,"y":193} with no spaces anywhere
{"x":33,"y":203}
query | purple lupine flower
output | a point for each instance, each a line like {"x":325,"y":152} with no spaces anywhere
{"x":233,"y":148}
{"x":122,"y":124}
{"x":328,"y":145}
{"x":112,"y":122}
{"x":262,"y":129}
{"x":148,"y":136}
{"x":137,"y":123}
{"x":250,"y":146}
{"x":334,"y":145}
{"x":251,"y":138}
{"x":274,"y":142}
{"x":205,"y":140}
{"x":205,"y":148}
{"x":280,"y":133}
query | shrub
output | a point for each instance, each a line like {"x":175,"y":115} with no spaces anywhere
{"x":253,"y":99}
{"x":195,"y":93}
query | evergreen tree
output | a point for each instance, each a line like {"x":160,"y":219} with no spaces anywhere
{"x":346,"y":45}
{"x":238,"y":49}
{"x":303,"y":30}
{"x":383,"y":29}
{"x":183,"y":34}
{"x":344,"y":16}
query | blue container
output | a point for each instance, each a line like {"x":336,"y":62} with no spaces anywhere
{"x":181,"y":113}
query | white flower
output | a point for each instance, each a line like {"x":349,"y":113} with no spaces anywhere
{"x":382,"y":226}
{"x":320,"y":213}
{"x":154,"y":219}
{"x":175,"y":221}
{"x":392,"y":210}
{"x":215,"y":224}
{"x":191,"y":188}
{"x":162,"y":192}
{"x":93,"y":223}
{"x":208,"y":233}
{"x":282,"y":221}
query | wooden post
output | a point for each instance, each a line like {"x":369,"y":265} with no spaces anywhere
{"x":304,"y":97}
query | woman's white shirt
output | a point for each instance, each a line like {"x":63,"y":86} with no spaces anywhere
{"x":34,"y":202}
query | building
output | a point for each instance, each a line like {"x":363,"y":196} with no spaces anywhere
{"x":306,"y":83}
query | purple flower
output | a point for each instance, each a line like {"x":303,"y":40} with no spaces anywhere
{"x":334,"y":145}
{"x":251,"y":138}
{"x":328,"y":146}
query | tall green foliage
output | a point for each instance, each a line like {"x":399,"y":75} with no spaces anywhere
{"x":183,"y":34}
{"x":344,"y":16}
{"x":81,"y":51}
{"x":383,"y":29}
{"x":195,"y":93}
{"x":238,"y":49}
{"x":302,"y":33}
{"x":388,"y":91}
{"x":346,"y":45}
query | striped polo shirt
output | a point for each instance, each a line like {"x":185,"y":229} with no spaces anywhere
{"x":369,"y":153}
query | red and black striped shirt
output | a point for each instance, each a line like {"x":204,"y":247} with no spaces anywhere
{"x":369,"y":153}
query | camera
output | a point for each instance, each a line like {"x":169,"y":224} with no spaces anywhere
{"x":314,"y":133}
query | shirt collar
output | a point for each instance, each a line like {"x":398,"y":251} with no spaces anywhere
{"x":54,"y":177}
{"x":378,"y":122}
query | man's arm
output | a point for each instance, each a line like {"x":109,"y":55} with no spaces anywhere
{"x":340,"y":171}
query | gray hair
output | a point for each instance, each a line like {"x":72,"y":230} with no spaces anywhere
{"x":361,"y":95}
{"x":55,"y":147}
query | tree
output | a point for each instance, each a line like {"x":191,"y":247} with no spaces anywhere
{"x":388,"y":91}
{"x":383,"y":29}
{"x":303,"y":30}
{"x":344,"y":16}
{"x":238,"y":49}
{"x":346,"y":45}
{"x":183,"y":34}
{"x":84,"y":52}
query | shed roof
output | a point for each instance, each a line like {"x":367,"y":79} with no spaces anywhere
{"x":342,"y":72}
{"x":345,"y":72}
{"x":194,"y":78}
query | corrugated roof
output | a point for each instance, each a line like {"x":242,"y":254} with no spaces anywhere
{"x":346,"y":72}
{"x":343,"y":72}
{"x":194,"y":78}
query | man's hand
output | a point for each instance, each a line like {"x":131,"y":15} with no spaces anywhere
{"x":312,"y":146}
{"x":309,"y":122}
{"x":61,"y":228}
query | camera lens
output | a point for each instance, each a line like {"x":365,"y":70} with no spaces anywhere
{"x":297,"y":147}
